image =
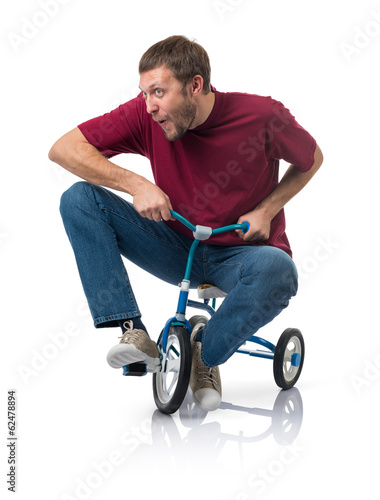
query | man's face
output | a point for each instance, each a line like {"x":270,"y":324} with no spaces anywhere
{"x":170,"y":105}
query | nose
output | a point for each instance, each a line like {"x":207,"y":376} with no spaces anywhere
{"x":151,"y":105}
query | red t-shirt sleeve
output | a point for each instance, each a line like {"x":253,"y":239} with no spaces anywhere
{"x":288,"y":140}
{"x":119,"y":131}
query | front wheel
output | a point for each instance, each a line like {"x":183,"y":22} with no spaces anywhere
{"x":288,"y":358}
{"x":171,"y":383}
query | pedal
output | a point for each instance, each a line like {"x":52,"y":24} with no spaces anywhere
{"x":135,"y":370}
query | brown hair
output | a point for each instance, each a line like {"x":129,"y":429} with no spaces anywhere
{"x":185,"y":58}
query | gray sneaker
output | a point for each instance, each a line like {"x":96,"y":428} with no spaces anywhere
{"x":135,"y":347}
{"x":205,"y":383}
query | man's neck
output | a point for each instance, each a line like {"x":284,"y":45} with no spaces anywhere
{"x":205,"y":105}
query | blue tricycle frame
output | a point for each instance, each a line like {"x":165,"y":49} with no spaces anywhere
{"x":171,"y":377}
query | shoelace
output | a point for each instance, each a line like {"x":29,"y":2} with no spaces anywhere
{"x":130,"y":333}
{"x":206,"y":374}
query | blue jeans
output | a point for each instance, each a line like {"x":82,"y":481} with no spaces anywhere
{"x":101,"y":226}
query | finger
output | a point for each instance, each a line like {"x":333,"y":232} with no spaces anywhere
{"x":156,"y":216}
{"x":166,"y":215}
{"x":257,"y":237}
{"x":243,"y":236}
{"x":144,"y":213}
{"x":250,"y":235}
{"x":169,"y":208}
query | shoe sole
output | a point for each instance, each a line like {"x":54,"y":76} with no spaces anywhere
{"x":121,"y":355}
{"x":203,"y":406}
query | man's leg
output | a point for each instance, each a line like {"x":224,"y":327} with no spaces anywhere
{"x":101,"y":227}
{"x":259,"y":280}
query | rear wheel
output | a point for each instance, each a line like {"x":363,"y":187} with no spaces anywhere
{"x":288,"y":358}
{"x":171,"y":383}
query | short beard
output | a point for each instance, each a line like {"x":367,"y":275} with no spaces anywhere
{"x":182,"y":119}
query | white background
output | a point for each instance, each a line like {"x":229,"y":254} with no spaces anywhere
{"x":84,"y":431}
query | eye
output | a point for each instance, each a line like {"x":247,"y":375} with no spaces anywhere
{"x":159,"y":92}
{"x":144,"y":95}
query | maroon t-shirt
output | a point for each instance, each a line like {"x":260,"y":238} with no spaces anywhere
{"x":218,"y":171}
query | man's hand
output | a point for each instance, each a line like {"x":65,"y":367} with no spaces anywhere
{"x":75,"y":154}
{"x":259,"y":226}
{"x":151,"y":202}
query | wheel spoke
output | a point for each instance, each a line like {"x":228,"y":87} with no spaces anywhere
{"x":290,"y":370}
{"x":172,"y":384}
{"x":287,"y":357}
{"x":289,"y":353}
{"x":173,"y":365}
{"x":287,"y":368}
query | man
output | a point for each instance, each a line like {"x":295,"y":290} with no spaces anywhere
{"x":215,"y":159}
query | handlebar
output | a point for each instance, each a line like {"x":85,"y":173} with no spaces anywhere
{"x":244,"y":227}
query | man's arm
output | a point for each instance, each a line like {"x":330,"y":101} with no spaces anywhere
{"x":74,"y":153}
{"x":291,"y":183}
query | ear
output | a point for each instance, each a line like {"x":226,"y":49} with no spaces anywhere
{"x":197,"y":85}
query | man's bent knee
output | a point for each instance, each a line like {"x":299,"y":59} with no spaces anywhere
{"x":276,"y":270}
{"x":73,"y":197}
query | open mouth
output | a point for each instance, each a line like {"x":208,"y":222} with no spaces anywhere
{"x":163,"y":123}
